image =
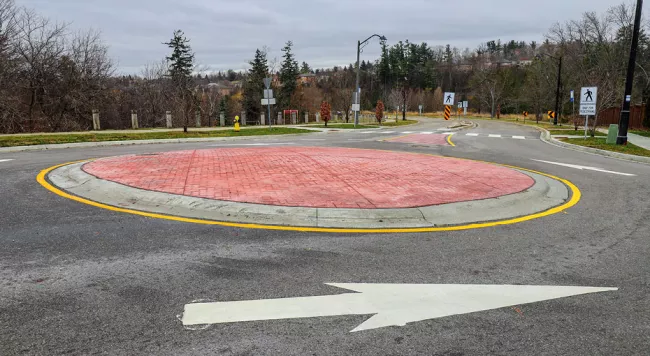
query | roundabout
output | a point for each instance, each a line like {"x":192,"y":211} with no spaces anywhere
{"x":319,"y":189}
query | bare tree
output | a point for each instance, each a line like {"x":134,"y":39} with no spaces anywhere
{"x":39,"y":45}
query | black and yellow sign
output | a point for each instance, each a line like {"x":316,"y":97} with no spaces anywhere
{"x":447,"y":112}
{"x":551,"y":115}
{"x":525,"y":113}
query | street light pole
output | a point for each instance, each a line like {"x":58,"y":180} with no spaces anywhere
{"x":629,"y":82}
{"x":357,"y":88}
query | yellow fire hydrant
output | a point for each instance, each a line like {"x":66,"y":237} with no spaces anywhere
{"x":236,"y":123}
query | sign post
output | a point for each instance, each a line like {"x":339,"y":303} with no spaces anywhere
{"x":268,"y":94}
{"x":588,"y":101}
{"x":420,"y":110}
{"x":465,"y":106}
{"x":448,"y":101}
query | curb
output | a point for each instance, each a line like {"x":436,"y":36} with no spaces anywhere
{"x":547,"y":196}
{"x":132,"y":143}
{"x":546,"y":137}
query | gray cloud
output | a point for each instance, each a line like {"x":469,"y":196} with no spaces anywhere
{"x":225,"y":33}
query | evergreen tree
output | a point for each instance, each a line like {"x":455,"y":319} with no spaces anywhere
{"x":288,"y":77}
{"x":305,"y":68}
{"x":181,"y":63}
{"x":254,"y":87}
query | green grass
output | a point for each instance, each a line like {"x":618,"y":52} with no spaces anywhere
{"x":641,"y":132}
{"x":344,"y":126}
{"x":11,"y":141}
{"x":572,"y":132}
{"x":400,"y":123}
{"x":600,"y":144}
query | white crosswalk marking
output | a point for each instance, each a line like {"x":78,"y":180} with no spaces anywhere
{"x":519,"y":137}
{"x":495,"y":136}
{"x":5,"y":160}
{"x":472,"y":134}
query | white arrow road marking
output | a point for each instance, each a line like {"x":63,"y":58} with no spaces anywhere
{"x":391,"y":304}
{"x":495,"y":136}
{"x":472,"y":134}
{"x":255,"y":144}
{"x":5,"y":160}
{"x":519,"y":137}
{"x":586,"y":168}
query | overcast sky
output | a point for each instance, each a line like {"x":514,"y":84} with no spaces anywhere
{"x":225,"y":33}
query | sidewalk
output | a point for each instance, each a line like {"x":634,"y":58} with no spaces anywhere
{"x":641,"y":141}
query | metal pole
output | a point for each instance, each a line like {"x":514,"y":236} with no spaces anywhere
{"x":586,"y":125}
{"x":629,"y":82}
{"x":356,"y":88}
{"x":270,"y":119}
{"x":557,"y":93}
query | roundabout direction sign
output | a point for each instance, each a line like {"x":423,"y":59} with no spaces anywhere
{"x":391,"y":304}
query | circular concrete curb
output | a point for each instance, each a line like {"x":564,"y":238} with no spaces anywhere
{"x":546,"y":196}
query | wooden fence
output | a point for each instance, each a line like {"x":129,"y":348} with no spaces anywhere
{"x":613,"y":116}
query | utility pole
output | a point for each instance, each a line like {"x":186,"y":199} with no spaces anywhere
{"x":629,"y":82}
{"x":557,"y":93}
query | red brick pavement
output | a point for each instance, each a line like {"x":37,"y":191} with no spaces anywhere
{"x":313,"y":176}
{"x":435,"y":139}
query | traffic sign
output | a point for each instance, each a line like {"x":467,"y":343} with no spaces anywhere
{"x":268,"y":101}
{"x":465,"y":104}
{"x":551,"y":115}
{"x":268,"y":93}
{"x":267,"y":82}
{"x":447,"y":112}
{"x":572,"y":95}
{"x":588,"y":100}
{"x":449,"y":99}
{"x":525,"y":113}
{"x":356,"y":107}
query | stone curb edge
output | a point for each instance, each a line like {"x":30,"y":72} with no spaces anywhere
{"x":546,"y":137}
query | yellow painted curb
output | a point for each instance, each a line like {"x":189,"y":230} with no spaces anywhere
{"x":575,"y":198}
{"x":449,"y":141}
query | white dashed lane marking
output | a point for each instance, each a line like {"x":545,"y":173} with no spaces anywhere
{"x":519,"y":137}
{"x":472,"y":134}
{"x":495,"y":136}
{"x":5,"y":160}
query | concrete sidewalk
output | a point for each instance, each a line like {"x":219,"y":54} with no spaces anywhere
{"x":641,"y":141}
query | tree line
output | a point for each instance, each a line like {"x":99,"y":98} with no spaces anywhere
{"x":51,"y":78}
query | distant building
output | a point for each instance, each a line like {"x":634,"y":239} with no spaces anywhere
{"x":223,"y":88}
{"x":307,"y":79}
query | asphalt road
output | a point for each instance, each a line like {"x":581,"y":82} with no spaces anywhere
{"x":79,"y":280}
